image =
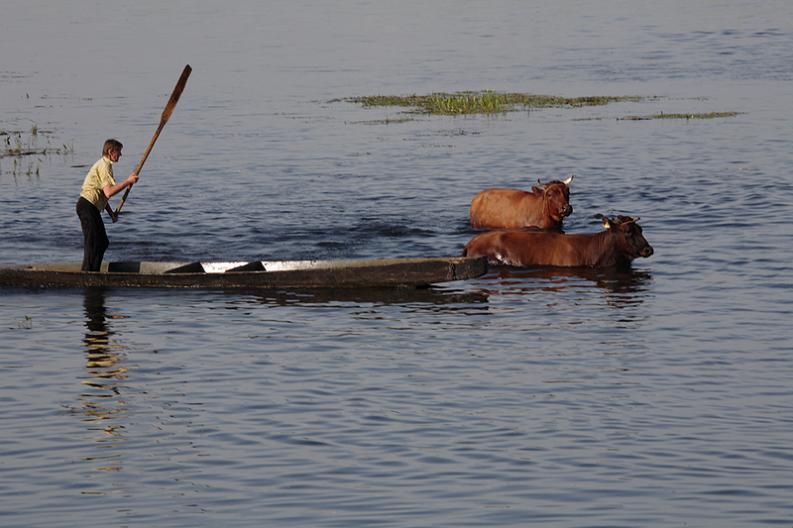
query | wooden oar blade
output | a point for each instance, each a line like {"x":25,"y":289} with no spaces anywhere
{"x":177,"y":92}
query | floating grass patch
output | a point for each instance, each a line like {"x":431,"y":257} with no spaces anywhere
{"x":386,"y":121}
{"x":702,"y":115}
{"x":484,"y":102}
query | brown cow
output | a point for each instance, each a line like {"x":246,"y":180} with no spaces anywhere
{"x":620,"y":243}
{"x":543,"y":207}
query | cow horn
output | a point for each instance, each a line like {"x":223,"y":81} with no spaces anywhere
{"x":606,"y":222}
{"x":569,"y":180}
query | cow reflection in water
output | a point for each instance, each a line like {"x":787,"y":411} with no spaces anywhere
{"x":622,"y":288}
{"x":102,"y":403}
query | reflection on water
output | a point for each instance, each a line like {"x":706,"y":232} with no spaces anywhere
{"x":101,"y":401}
{"x":620,"y":287}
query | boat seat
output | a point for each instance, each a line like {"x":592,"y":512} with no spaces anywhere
{"x":250,"y":266}
{"x":191,"y":267}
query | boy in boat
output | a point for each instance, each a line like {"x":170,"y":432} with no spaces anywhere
{"x":98,"y":187}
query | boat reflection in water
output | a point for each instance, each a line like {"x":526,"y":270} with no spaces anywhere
{"x":102,"y":403}
{"x":430,"y":297}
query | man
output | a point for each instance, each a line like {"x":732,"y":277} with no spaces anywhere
{"x":98,"y":187}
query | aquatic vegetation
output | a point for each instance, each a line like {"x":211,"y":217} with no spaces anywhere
{"x":484,"y":102}
{"x":704,"y":115}
{"x":386,"y":121}
{"x":19,"y":144}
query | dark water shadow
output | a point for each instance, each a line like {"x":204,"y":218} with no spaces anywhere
{"x":101,"y":401}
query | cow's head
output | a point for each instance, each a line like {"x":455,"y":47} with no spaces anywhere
{"x":556,"y":198}
{"x":633,"y":243}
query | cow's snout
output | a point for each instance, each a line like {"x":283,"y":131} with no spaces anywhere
{"x":647,"y":251}
{"x":566,"y":210}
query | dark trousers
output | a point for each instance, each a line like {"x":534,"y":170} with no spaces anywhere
{"x":95,"y":240}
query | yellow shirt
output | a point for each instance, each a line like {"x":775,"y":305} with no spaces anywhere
{"x":99,"y":177}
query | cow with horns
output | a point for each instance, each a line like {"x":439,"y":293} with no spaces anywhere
{"x":544,"y":207}
{"x":618,"y":245}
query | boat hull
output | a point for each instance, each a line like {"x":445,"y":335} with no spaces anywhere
{"x":349,"y":273}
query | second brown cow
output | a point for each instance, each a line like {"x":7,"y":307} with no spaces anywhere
{"x":543,"y":207}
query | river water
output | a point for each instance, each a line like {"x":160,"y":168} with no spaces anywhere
{"x":658,"y":397}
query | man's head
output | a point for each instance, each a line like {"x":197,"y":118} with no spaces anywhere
{"x":112,"y":149}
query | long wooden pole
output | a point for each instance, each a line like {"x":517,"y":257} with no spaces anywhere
{"x":166,"y":114}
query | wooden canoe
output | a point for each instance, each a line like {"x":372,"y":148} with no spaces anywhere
{"x":343,"y":273}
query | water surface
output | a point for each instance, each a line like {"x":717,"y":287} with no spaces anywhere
{"x":657,"y":397}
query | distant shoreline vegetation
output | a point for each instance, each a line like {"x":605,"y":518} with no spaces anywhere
{"x":485,"y":102}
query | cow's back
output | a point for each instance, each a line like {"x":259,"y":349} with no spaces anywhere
{"x":506,"y":209}
{"x":514,"y":247}
{"x":526,"y":248}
